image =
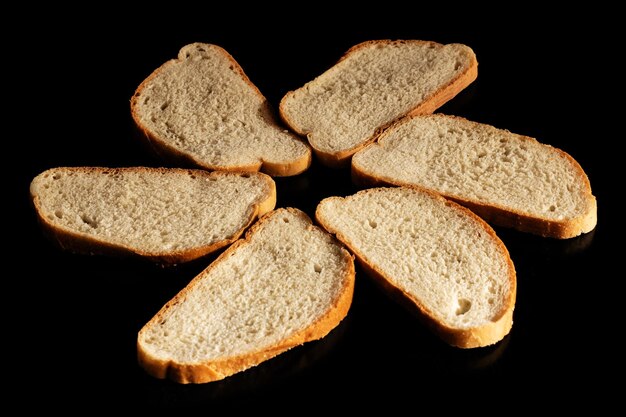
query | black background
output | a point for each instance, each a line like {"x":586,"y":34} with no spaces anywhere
{"x":72,"y":336}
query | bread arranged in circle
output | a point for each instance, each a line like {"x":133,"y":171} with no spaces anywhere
{"x":201,"y":108}
{"x":421,"y":232}
{"x":374,"y":84}
{"x":287,"y":283}
{"x":166,"y":215}
{"x":436,"y":257}
{"x":508,"y":179}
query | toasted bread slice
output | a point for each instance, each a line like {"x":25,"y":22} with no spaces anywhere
{"x":507,"y":179}
{"x":287,"y":283}
{"x":165,"y":215}
{"x":435,"y":256}
{"x":373,"y":85}
{"x":201,"y":108}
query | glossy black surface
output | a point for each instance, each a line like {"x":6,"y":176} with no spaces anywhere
{"x":77,"y":339}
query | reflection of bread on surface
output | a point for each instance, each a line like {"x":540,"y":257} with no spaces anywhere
{"x":166,"y":215}
{"x":433,"y":255}
{"x":286,"y":283}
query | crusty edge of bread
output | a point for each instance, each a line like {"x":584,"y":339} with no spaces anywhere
{"x":474,"y":337}
{"x":220,"y":369}
{"x":437,"y":99}
{"x":499,"y":215}
{"x":168,"y":152}
{"x":87,"y":244}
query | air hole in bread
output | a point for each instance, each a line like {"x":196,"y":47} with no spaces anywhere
{"x":373,"y":224}
{"x":552,"y":207}
{"x":317,"y":268}
{"x":458,"y":65}
{"x":165,"y":105}
{"x":89,"y":222}
{"x":246,"y":175}
{"x":56,"y":176}
{"x":285,"y":219}
{"x":463,"y":306}
{"x":59,"y":214}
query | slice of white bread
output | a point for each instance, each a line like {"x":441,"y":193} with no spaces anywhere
{"x":433,"y":255}
{"x":201,"y":108}
{"x":287,"y":283}
{"x":509,"y":180}
{"x":166,"y":215}
{"x":374,"y":84}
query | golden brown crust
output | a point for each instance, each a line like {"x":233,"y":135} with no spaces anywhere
{"x":216,"y":370}
{"x":83,"y":243}
{"x":499,"y":215}
{"x":165,"y":150}
{"x":428,"y":105}
{"x":485,"y":335}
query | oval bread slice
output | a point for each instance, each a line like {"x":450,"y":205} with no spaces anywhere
{"x":372,"y":85}
{"x":165,"y":215}
{"x":203,"y":109}
{"x":287,"y":283}
{"x":508,"y":179}
{"x":435,"y":256}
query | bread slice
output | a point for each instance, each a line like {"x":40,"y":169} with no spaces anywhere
{"x":374,"y":84}
{"x":203,"y":109}
{"x":166,"y":215}
{"x":509,"y":180}
{"x":286,"y":283}
{"x":436,"y":257}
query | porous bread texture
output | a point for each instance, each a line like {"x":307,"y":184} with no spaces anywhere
{"x":436,"y":257}
{"x":286,"y":283}
{"x":374,"y":84}
{"x":203,"y":109}
{"x":166,"y":215}
{"x":508,"y":179}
